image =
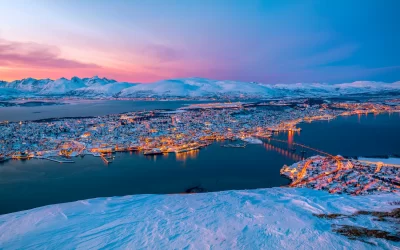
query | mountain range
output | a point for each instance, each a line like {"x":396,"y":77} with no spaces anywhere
{"x":96,"y":87}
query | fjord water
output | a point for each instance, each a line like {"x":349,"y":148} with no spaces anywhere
{"x":33,"y":183}
{"x":85,"y":108}
{"x":362,"y":135}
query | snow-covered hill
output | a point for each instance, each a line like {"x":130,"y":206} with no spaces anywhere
{"x":200,"y":87}
{"x":188,"y":87}
{"x":105,"y":90}
{"x":8,"y":93}
{"x":276,"y":218}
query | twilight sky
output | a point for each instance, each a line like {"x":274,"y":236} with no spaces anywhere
{"x":149,"y":40}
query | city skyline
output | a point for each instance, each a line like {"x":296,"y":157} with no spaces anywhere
{"x":269,"y":42}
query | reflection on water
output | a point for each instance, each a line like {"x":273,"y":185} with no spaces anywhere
{"x":284,"y":152}
{"x":181,"y":157}
{"x":290,"y":138}
{"x":187,"y":155}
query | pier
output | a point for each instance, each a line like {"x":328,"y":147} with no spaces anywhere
{"x":234,"y":145}
{"x":105,"y":159}
{"x":58,"y":160}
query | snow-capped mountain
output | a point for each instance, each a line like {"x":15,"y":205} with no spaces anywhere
{"x":62,"y":86}
{"x":96,"y":81}
{"x":185,"y":87}
{"x":199,"y":87}
{"x":2,"y":84}
{"x":105,"y":90}
{"x":28,"y":84}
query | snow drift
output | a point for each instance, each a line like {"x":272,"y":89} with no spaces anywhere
{"x":277,"y":218}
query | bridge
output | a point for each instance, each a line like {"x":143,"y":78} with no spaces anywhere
{"x":381,"y":164}
{"x":304,"y":146}
{"x":303,"y":171}
{"x":338,"y":159}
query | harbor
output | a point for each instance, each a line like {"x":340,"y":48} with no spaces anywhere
{"x":107,"y":158}
{"x":59,"y":160}
{"x":156,"y":133}
{"x":132,"y":172}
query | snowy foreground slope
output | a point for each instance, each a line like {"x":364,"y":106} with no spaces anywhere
{"x":184,"y":87}
{"x":276,"y":218}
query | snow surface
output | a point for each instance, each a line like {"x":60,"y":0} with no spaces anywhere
{"x":191,"y":87}
{"x":276,"y":218}
{"x":390,"y":160}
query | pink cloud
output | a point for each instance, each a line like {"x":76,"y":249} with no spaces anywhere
{"x":34,"y":55}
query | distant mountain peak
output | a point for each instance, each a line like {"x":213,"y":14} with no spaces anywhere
{"x":194,"y":87}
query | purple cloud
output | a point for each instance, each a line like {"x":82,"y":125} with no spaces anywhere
{"x":161,"y":52}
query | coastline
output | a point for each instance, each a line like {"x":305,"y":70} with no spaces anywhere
{"x":292,"y":122}
{"x":121,"y":119}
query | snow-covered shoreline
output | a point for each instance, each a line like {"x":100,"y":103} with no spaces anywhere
{"x":337,"y":174}
{"x":389,"y":160}
{"x":275,"y":218}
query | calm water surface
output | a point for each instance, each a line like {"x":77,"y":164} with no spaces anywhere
{"x":29,"y":184}
{"x":85,"y":108}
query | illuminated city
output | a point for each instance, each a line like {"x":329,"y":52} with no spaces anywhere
{"x":161,"y":132}
{"x":201,"y":124}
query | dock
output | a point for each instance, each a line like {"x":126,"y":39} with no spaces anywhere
{"x":106,"y":160}
{"x":59,"y":160}
{"x":234,"y":145}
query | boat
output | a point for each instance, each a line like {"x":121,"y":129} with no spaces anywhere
{"x":265,"y":136}
{"x":120,"y":149}
{"x":186,"y":149}
{"x":59,"y":159}
{"x":204,"y":145}
{"x":252,"y":140}
{"x":133,"y":148}
{"x":154,"y":151}
{"x":20,"y":156}
{"x":235,"y":145}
